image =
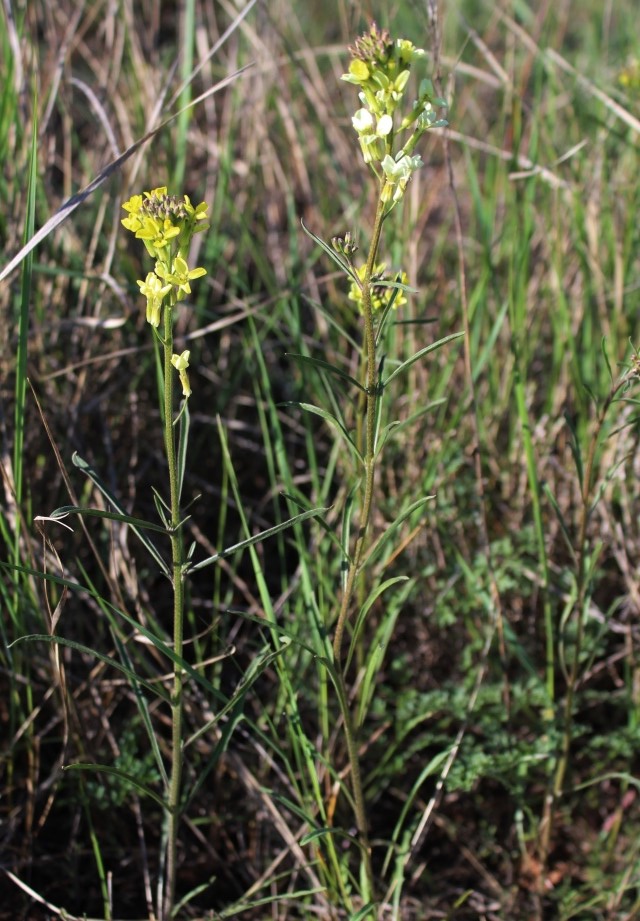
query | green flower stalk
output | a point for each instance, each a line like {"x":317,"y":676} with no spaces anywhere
{"x":166,"y":225}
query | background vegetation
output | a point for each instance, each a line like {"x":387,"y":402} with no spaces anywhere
{"x":513,"y":640}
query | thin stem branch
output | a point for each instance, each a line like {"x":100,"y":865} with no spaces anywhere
{"x":582,"y":585}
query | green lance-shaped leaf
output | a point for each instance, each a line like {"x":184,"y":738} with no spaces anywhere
{"x":133,"y":782}
{"x":88,"y":470}
{"x":418,"y":355}
{"x":331,"y":419}
{"x":342,"y":264}
{"x":325,"y":366}
{"x":257,"y":538}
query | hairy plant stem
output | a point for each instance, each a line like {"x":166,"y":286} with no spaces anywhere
{"x":582,"y":586}
{"x":370,"y":399}
{"x":175,"y":777}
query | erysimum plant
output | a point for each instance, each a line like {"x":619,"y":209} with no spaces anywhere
{"x":389,"y":123}
{"x":388,"y":126}
{"x":166,"y":225}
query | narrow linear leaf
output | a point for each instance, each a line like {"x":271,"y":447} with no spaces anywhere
{"x":122,"y":775}
{"x":366,"y":607}
{"x":257,"y":538}
{"x":329,"y":529}
{"x":340,"y":262}
{"x":88,"y":470}
{"x":65,"y":510}
{"x":325,"y":366}
{"x":139,"y":627}
{"x":425,"y":351}
{"x":132,"y":676}
{"x":333,"y":322}
{"x":331,"y":419}
{"x":256,"y":668}
{"x":183,"y":442}
{"x":398,"y":425}
{"x":397,"y":286}
{"x":143,"y":708}
{"x":393,"y":527}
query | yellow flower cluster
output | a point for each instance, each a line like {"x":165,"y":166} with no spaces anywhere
{"x":382,"y":288}
{"x":162,"y":220}
{"x":381,"y":69}
{"x":166,"y":225}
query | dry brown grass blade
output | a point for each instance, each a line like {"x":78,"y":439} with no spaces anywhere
{"x":613,"y":106}
{"x":67,"y":209}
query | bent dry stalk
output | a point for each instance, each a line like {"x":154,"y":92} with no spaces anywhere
{"x":166,"y":225}
{"x":388,"y":128}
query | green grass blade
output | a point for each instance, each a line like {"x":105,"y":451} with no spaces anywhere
{"x":23,"y":332}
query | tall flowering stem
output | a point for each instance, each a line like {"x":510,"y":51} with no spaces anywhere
{"x":166,"y":224}
{"x":388,"y":130}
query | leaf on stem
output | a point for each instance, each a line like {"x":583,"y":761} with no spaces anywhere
{"x":116,"y":772}
{"x":331,"y":419}
{"x":390,"y":532}
{"x":342,"y":264}
{"x":65,"y":510}
{"x":132,"y":676}
{"x":324,"y":366}
{"x":88,"y":470}
{"x":418,"y":355}
{"x":257,"y":538}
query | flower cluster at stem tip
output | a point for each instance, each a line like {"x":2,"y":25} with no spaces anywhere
{"x":387,"y":130}
{"x":166,"y":225}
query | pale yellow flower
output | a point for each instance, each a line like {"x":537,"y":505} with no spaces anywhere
{"x":155,"y":292}
{"x":181,"y":363}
